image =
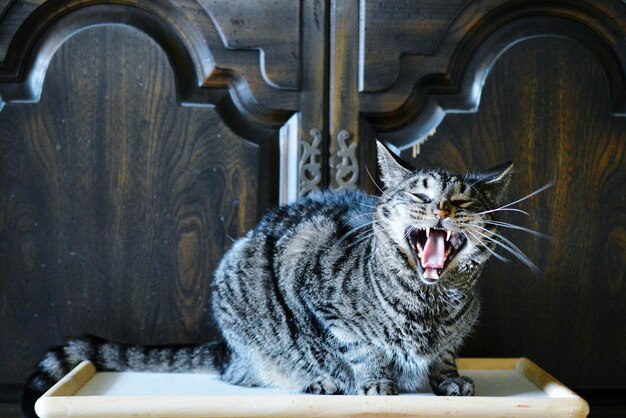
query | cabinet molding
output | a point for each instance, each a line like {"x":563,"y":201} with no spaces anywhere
{"x":451,"y":80}
{"x":207,"y":72}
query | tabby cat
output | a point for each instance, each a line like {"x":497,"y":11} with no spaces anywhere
{"x":340,"y":293}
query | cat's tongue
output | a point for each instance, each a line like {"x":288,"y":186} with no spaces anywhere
{"x":434,"y":254}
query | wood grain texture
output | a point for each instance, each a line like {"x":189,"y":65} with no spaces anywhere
{"x":449,"y":80}
{"x":417,"y":29}
{"x":343,"y":106}
{"x":266,"y":25}
{"x":116,"y":203}
{"x":13,"y":15}
{"x":347,"y":170}
{"x":546,"y":106}
{"x":207,"y":70}
{"x":314,"y":98}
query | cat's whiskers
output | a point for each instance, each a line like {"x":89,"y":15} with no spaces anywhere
{"x":367,"y":206}
{"x":349,"y":221}
{"x":528,"y":196}
{"x":356,"y":229}
{"x":504,"y":210}
{"x":369,"y":234}
{"x":361,"y":239}
{"x":375,"y":184}
{"x":479,"y":241}
{"x":512,"y":226}
{"x":494,"y":232}
{"x":507,"y":245}
{"x":408,"y":231}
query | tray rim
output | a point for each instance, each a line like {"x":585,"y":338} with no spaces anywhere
{"x":59,"y":401}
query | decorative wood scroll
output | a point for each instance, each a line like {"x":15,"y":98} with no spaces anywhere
{"x":310,"y":167}
{"x":347,"y":170}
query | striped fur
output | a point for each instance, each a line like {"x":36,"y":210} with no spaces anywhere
{"x":110,"y":356}
{"x":326,"y":295}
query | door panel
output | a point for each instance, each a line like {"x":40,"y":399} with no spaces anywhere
{"x":117,"y":202}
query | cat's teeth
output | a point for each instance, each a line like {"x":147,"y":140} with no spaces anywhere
{"x":431,"y":274}
{"x":418,"y":249}
{"x":427,"y":231}
{"x":448,"y":250}
{"x":448,"y":235}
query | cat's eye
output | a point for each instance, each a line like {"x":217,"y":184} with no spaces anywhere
{"x":422,"y":197}
{"x":462,"y":203}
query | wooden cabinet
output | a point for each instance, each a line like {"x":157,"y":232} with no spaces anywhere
{"x":138,"y":138}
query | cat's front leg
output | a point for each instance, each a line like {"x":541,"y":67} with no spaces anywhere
{"x":378,"y":387}
{"x":445,"y":380}
{"x":323,"y":387}
{"x":374,"y":378}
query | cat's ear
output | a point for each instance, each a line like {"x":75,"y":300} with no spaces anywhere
{"x":495,"y":181}
{"x":391,"y":173}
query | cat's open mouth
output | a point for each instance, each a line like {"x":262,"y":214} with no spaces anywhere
{"x":434,"y":249}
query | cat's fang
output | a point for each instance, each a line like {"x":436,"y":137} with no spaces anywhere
{"x":448,"y":235}
{"x":418,"y":249}
{"x":431,"y":274}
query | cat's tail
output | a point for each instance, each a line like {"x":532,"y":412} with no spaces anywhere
{"x":110,"y":356}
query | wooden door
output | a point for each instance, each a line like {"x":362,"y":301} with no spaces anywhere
{"x":540,"y":83}
{"x":138,"y":139}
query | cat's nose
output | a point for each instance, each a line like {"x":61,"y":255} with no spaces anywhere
{"x":443,"y":209}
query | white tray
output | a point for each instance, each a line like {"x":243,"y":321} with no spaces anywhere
{"x":504,"y":387}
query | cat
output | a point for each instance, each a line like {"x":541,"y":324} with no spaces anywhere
{"x":339,"y":293}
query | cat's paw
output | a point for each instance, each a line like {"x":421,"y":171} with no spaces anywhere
{"x":381,"y":388}
{"x":325,"y":387}
{"x":455,"y":386}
